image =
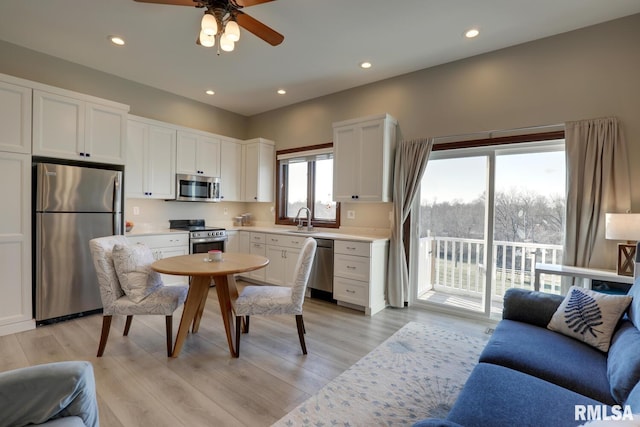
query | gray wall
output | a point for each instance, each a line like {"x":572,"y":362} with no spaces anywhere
{"x":592,"y":72}
{"x":144,"y":100}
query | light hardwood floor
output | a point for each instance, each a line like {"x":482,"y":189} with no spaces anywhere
{"x":137,"y":385}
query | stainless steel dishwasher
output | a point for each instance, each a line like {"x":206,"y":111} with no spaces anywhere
{"x":321,"y":277}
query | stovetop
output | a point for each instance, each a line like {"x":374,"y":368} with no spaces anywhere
{"x":191,"y":225}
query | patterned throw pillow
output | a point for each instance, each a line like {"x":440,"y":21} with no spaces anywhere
{"x":589,"y":316}
{"x":133,"y":267}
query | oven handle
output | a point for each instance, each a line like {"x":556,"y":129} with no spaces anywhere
{"x":208,"y":240}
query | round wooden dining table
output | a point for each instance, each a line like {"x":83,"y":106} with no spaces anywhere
{"x":202,"y":271}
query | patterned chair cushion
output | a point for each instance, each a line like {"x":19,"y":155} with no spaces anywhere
{"x":101,"y":252}
{"x":133,"y":266}
{"x":265,"y":300}
{"x":163,"y":300}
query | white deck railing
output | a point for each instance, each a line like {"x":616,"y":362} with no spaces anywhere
{"x":456,"y":266}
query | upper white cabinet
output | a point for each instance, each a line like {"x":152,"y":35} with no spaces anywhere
{"x":363,"y":159}
{"x":151,"y":160}
{"x":230,"y":171}
{"x":15,"y":118}
{"x":258,"y":170}
{"x":78,"y":128}
{"x":198,"y":154}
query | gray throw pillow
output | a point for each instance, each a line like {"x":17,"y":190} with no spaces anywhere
{"x":589,"y":316}
{"x":133,"y":267}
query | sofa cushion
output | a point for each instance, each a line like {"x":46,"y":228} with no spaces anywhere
{"x":623,"y":362}
{"x":133,"y":266}
{"x":502,"y":397}
{"x":634,"y":307}
{"x":589,"y":316}
{"x":551,"y":356}
{"x":532,"y":307}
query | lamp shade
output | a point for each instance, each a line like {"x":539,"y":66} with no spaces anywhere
{"x":209,"y":25}
{"x":622,"y":226}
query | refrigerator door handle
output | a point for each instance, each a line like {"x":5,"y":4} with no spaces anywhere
{"x":116,"y":206}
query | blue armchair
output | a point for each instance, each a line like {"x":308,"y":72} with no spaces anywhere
{"x":61,"y":394}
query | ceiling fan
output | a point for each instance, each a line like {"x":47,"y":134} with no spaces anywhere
{"x":221,"y":20}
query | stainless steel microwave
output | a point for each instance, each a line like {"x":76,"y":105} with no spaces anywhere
{"x":197,"y":188}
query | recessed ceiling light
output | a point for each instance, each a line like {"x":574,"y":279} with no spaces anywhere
{"x":365,"y":65}
{"x":473,"y":32}
{"x":281,"y":91}
{"x":117,"y":40}
{"x":210,"y":92}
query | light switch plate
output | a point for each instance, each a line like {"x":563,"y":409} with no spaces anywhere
{"x":351,"y":214}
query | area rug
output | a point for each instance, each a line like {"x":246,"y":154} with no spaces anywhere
{"x":416,"y":373}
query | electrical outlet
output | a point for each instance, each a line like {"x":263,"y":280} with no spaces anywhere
{"x":226,"y":211}
{"x":136,"y":210}
{"x":351,"y":214}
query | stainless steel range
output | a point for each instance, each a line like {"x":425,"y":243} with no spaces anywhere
{"x":202,"y":238}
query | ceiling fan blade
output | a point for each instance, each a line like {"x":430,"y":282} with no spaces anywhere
{"x":247,"y":3}
{"x":174,"y":2}
{"x":256,"y":27}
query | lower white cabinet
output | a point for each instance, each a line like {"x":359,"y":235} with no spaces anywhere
{"x":15,"y":244}
{"x":257,"y":247}
{"x":283,"y":251}
{"x":233,"y":241}
{"x":165,"y":246}
{"x":359,"y":274}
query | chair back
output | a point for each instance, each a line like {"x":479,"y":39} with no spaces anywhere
{"x":302,"y":272}
{"x":102,"y":253}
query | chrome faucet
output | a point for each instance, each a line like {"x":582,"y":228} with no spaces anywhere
{"x":299,"y":219}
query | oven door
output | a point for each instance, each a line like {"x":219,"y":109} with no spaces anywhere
{"x":202,"y":246}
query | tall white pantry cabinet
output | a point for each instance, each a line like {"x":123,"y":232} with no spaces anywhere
{"x":15,"y":193}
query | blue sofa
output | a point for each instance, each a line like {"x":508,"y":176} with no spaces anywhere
{"x":528,"y":375}
{"x":61,"y":394}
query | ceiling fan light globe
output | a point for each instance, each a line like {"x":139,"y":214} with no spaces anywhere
{"x":226,"y":44}
{"x":206,"y":40}
{"x":209,"y":25}
{"x":232,"y":31}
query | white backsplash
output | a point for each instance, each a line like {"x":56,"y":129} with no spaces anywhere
{"x":153,"y":214}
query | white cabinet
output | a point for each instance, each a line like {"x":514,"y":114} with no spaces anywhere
{"x":244,"y":242}
{"x":230,"y":171}
{"x":257,"y":247}
{"x":15,"y":243}
{"x":78,"y":128}
{"x":151,"y":160}
{"x":233,"y":241}
{"x":359,"y":270}
{"x":363,"y":159}
{"x":282,"y":251}
{"x":198,"y":154}
{"x":165,"y":246}
{"x":258,"y":156}
{"x":15,"y":118}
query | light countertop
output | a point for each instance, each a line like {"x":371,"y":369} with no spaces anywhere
{"x":321,"y":233}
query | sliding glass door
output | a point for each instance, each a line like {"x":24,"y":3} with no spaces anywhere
{"x":485,"y":216}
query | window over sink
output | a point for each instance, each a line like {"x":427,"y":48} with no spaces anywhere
{"x":305,"y":180}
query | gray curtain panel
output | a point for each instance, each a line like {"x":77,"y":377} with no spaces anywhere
{"x":597,"y":183}
{"x":410,"y":163}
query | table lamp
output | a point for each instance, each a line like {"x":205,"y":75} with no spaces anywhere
{"x":624,"y":226}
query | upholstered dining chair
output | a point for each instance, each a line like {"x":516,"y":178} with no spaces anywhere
{"x":271,"y":300}
{"x":160,"y":300}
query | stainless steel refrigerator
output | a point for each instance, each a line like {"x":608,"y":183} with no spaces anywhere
{"x":73,"y":205}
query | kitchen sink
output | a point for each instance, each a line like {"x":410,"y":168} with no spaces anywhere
{"x":302,"y":231}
